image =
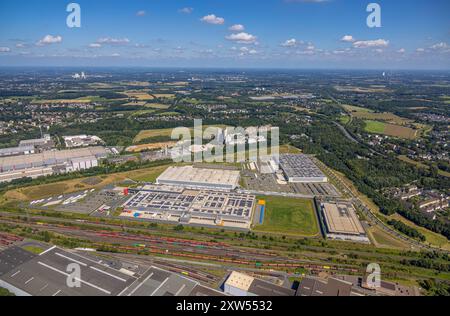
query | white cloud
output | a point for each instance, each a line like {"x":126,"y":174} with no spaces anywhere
{"x":113,"y":41}
{"x":242,"y":38}
{"x":5,"y":49}
{"x":213,"y":19}
{"x":50,"y":39}
{"x":441,"y":45}
{"x":401,"y":51}
{"x":95,"y":45}
{"x":290,"y":43}
{"x":420,"y":50}
{"x":186,"y":10}
{"x":348,"y":39}
{"x":372,"y":43}
{"x":141,"y":13}
{"x":247,"y":51}
{"x":237,"y":28}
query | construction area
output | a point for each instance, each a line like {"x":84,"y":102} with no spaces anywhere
{"x":188,"y":206}
{"x":342,"y":222}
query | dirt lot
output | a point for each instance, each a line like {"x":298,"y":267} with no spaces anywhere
{"x":155,"y":146}
{"x":70,"y":186}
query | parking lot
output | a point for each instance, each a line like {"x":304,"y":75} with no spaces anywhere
{"x":270,"y":183}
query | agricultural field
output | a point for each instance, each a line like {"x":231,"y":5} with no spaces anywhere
{"x":371,"y":89}
{"x":162,"y":133}
{"x":164,"y":95}
{"x":377,"y":127}
{"x":139,"y":95}
{"x":157,"y":106}
{"x":137,"y":103}
{"x":62,"y":101}
{"x":367,"y":114}
{"x":290,"y":217}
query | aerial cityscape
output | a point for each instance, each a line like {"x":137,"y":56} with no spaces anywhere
{"x":225,"y":149}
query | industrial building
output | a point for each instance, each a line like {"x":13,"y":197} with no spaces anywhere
{"x":158,"y":282}
{"x":192,"y":177}
{"x":333,"y":287}
{"x":36,"y":165}
{"x":40,"y":144}
{"x":342,"y":222}
{"x":26,"y":274}
{"x":81,"y":141}
{"x":188,"y":206}
{"x":301,"y":169}
{"x":16,"y":151}
{"x":239,"y":284}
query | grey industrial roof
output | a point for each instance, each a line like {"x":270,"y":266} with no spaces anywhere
{"x":334,"y":287}
{"x":51,"y":157}
{"x":299,"y":166}
{"x":263,"y":288}
{"x":200,"y":176}
{"x":46,"y":274}
{"x":12,"y":150}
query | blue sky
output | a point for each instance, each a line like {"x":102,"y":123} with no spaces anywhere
{"x":415,"y":34}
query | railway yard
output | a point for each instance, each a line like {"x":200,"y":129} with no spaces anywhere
{"x":205,"y":233}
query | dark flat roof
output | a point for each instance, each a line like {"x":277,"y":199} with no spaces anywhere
{"x":263,"y":288}
{"x":47,"y":275}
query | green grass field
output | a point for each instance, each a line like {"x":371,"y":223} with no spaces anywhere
{"x":375,"y":127}
{"x":290,"y":217}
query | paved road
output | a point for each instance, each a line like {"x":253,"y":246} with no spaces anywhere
{"x":282,"y":194}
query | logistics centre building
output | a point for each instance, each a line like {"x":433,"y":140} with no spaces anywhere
{"x":301,"y":169}
{"x":50,"y":162}
{"x":342,"y":222}
{"x":202,"y":178}
{"x":190,"y":206}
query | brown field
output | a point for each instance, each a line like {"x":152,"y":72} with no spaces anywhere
{"x":139,"y":148}
{"x":70,"y":186}
{"x":139,"y":95}
{"x":367,"y":114}
{"x":157,"y":106}
{"x":386,"y":117}
{"x":177,"y":84}
{"x":400,"y":131}
{"x":362,"y":89}
{"x":62,"y":101}
{"x":162,"y":132}
{"x":136,"y":84}
{"x":139,"y":103}
{"x":164,"y":96}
